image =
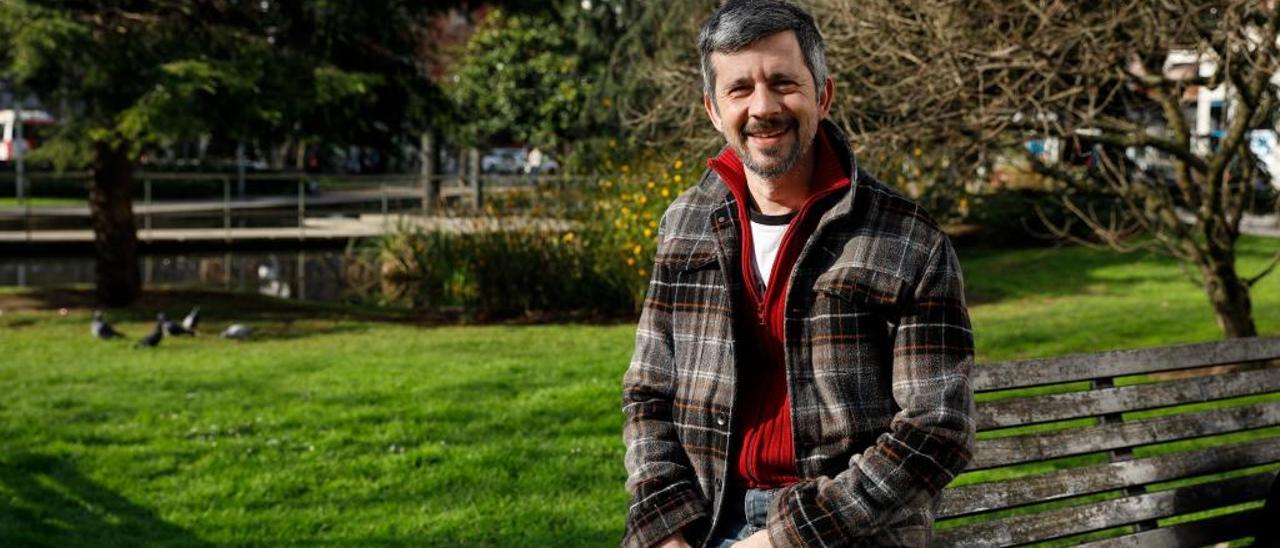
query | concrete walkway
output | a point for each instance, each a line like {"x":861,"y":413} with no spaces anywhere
{"x":317,"y":228}
{"x":178,"y":207}
{"x":1267,"y":226}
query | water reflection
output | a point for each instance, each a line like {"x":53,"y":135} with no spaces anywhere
{"x":303,"y":275}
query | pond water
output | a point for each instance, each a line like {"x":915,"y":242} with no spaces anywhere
{"x":315,"y":275}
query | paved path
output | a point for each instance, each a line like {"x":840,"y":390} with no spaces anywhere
{"x":332,"y":198}
{"x":1255,"y":225}
{"x":336,"y":228}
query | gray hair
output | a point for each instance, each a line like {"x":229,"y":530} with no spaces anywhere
{"x":740,"y":23}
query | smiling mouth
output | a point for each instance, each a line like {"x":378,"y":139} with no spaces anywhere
{"x":769,"y":134}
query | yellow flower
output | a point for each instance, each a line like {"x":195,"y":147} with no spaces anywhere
{"x":676,"y":178}
{"x":613,"y":143}
{"x":617,"y":224}
{"x":637,"y":249}
{"x":650,"y":185}
{"x":606,"y":103}
{"x":679,"y":164}
{"x":643,"y":273}
{"x":626,"y":211}
{"x":626,"y":168}
{"x":666,"y":193}
{"x":642,"y":198}
{"x":648,"y":233}
{"x":568,"y":236}
{"x":917,"y":151}
{"x":631,"y":261}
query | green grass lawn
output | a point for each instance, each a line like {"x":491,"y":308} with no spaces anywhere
{"x":340,"y":428}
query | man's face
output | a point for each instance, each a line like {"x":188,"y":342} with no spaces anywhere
{"x":766,"y":105}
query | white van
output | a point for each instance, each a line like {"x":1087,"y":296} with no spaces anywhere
{"x":36,"y":126}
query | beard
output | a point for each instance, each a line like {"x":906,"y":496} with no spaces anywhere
{"x":774,"y":161}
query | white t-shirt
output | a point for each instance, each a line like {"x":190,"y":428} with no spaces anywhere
{"x":766,"y":237}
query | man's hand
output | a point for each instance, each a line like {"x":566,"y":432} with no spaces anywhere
{"x":676,"y":540}
{"x":759,"y":540}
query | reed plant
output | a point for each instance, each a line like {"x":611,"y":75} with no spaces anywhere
{"x":586,"y":245}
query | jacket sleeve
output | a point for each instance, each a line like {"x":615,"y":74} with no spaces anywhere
{"x":665,"y":496}
{"x":929,"y":440}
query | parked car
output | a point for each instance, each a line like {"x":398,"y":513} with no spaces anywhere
{"x":518,"y":161}
{"x":503,"y":161}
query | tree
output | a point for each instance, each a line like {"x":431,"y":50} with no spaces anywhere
{"x":1103,"y":79}
{"x":979,"y":80}
{"x":133,"y":73}
{"x":534,"y":76}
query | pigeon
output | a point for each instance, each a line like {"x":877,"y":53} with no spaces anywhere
{"x":101,"y":329}
{"x":192,"y":320}
{"x":237,"y":331}
{"x":156,"y":335}
{"x":174,"y":329}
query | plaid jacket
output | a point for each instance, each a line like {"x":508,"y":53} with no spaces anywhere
{"x":878,"y":353}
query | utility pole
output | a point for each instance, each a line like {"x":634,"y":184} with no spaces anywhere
{"x":240,"y":167}
{"x":430,"y":184}
{"x":477,"y":182}
{"x":19,"y":169}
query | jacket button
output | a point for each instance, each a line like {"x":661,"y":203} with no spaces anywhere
{"x":720,"y":420}
{"x":722,"y":219}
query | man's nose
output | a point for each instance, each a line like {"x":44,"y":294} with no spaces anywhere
{"x":765,"y":102}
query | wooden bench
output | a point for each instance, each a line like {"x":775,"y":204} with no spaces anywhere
{"x":1109,"y":450}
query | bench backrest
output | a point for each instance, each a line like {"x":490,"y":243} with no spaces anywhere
{"x":1135,"y":447}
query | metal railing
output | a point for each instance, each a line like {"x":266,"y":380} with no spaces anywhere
{"x":261,"y":196}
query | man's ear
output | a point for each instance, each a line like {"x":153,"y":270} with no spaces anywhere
{"x":827,"y":96}
{"x":712,"y":113}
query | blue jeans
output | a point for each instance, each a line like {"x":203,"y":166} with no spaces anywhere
{"x":744,"y":512}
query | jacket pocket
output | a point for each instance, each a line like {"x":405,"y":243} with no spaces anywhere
{"x":851,"y":327}
{"x":864,"y":288}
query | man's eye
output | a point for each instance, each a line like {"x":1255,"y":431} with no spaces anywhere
{"x":738,"y":91}
{"x":786,"y":86}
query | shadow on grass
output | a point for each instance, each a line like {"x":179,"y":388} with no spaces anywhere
{"x":223,"y":307}
{"x":993,"y":274}
{"x":45,"y":501}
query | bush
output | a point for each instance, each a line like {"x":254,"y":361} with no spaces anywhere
{"x":494,"y":268}
{"x":585,"y":247}
{"x":627,"y":205}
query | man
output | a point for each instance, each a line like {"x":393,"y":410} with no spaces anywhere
{"x":801,"y":367}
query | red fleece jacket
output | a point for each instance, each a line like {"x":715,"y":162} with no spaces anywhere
{"x":766,"y":458}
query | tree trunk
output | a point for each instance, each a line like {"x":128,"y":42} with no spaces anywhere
{"x":115,"y":237}
{"x":1229,"y":296}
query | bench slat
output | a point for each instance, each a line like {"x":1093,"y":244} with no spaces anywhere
{"x":1030,"y":410}
{"x":1074,"y":441}
{"x":1077,"y":367}
{"x":1107,"y":514}
{"x":983,"y":497}
{"x":1196,"y":533}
